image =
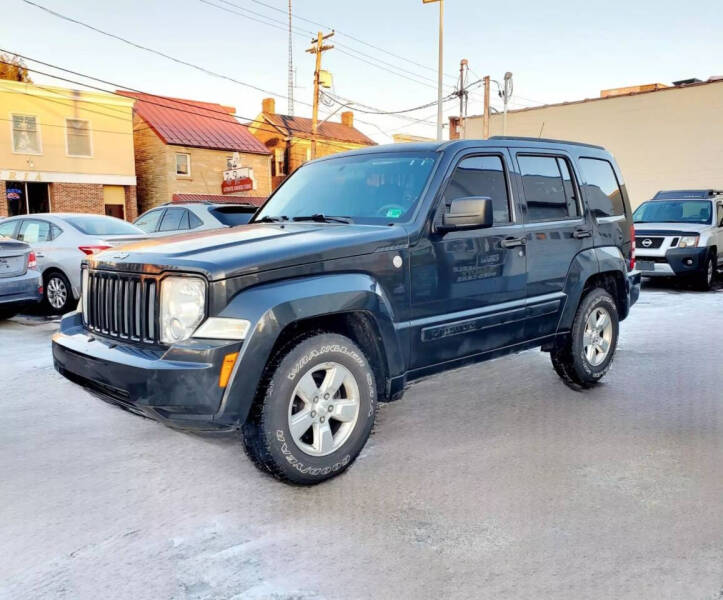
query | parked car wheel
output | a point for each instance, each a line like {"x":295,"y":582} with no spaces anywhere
{"x":58,"y":293}
{"x":316,"y":412}
{"x":588,"y":352}
{"x":707,"y":275}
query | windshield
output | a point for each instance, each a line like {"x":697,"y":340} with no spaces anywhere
{"x":368,"y":188}
{"x":673,"y":211}
{"x":100,"y":225}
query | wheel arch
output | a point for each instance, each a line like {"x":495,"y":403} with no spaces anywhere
{"x":351,"y":304}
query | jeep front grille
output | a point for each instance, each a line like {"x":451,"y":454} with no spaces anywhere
{"x":121,"y":305}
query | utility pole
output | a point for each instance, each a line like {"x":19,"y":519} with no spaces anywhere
{"x":463,"y":95}
{"x":318,"y":48}
{"x":486,"y":114}
{"x":441,"y":62}
{"x":506,"y":94}
{"x":290,"y":108}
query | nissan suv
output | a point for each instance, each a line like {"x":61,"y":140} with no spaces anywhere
{"x":680,"y":234}
{"x":363,"y":272}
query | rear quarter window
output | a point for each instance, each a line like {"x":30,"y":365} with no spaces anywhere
{"x":604,"y":195}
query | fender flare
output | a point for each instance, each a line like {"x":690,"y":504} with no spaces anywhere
{"x":587,"y":264}
{"x":273,"y":306}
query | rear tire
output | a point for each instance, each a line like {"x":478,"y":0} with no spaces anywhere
{"x":316,"y":412}
{"x":58,"y":294}
{"x":587,"y":353}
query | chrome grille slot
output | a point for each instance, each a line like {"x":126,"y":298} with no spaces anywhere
{"x":122,"y":305}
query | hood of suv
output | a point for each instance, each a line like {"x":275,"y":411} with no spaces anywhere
{"x":224,"y":253}
{"x":669,"y":228}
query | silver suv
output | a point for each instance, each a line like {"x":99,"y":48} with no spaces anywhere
{"x":679,"y":233}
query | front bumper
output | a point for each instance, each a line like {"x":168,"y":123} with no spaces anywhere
{"x":678,"y":262}
{"x":177,"y":385}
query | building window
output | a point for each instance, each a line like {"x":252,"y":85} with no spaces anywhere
{"x":548,"y":187}
{"x":183,"y":164}
{"x":77,"y":136}
{"x":26,"y":135}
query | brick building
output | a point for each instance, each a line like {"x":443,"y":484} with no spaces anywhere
{"x":184,"y":147}
{"x":289,"y":138}
{"x":66,"y":150}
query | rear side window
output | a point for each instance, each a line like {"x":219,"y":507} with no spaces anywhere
{"x":233,"y":215}
{"x":174,"y":219}
{"x":481,"y":176}
{"x":193,"y":220}
{"x":7,"y":229}
{"x":548,"y":186}
{"x":603,"y":191}
{"x":32,"y":231}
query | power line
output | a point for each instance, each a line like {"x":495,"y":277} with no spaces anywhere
{"x":167,"y":56}
{"x":356,"y":39}
{"x":376,"y":111}
{"x":157,"y":52}
{"x":349,"y":51}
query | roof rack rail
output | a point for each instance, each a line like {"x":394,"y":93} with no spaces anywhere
{"x":548,"y":140}
{"x":186,"y":202}
{"x":686,"y":194}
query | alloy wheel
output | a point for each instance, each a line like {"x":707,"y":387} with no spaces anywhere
{"x":57,"y":293}
{"x":323,"y":409}
{"x":597,"y":337}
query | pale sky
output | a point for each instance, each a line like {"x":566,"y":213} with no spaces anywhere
{"x":565,"y":50}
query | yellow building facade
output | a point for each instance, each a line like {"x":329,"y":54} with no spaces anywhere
{"x":65,"y":150}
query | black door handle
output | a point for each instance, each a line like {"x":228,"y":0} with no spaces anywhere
{"x":582,"y":232}
{"x":511,"y":242}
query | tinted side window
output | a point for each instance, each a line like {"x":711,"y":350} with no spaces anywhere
{"x":481,"y":176}
{"x":172,"y":219}
{"x":548,"y":186}
{"x":720,"y":215}
{"x":55,"y":231}
{"x":32,"y":231}
{"x":149,"y":221}
{"x":603,"y":192}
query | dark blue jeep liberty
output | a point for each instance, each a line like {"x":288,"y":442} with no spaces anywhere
{"x":362,"y":272}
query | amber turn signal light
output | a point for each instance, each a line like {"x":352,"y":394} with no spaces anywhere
{"x":228,"y":362}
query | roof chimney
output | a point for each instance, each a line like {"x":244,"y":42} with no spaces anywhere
{"x":347,"y":118}
{"x":268,"y":105}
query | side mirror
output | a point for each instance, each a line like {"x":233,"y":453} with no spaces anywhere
{"x":474,"y":212}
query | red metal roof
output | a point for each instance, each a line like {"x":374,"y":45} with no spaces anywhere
{"x":217,"y":198}
{"x":197,"y":124}
{"x":301,"y":127}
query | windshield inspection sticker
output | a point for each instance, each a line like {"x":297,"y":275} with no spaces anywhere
{"x":394,"y":213}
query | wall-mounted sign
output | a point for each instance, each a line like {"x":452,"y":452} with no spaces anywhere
{"x":239,"y":179}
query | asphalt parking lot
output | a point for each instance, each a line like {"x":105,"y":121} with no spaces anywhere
{"x":492,"y":481}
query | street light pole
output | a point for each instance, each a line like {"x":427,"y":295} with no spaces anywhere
{"x":441,"y":61}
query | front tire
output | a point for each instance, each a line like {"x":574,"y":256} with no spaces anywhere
{"x":316,"y":413}
{"x":587,"y":354}
{"x":58,"y":293}
{"x":706,"y":276}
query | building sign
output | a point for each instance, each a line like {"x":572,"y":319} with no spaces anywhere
{"x":237,"y":178}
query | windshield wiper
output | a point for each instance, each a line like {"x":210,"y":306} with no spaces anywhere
{"x":268,"y":219}
{"x":322,"y":218}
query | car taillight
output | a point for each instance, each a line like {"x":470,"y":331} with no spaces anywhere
{"x":32,"y":261}
{"x":632,"y":247}
{"x":92,"y":249}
